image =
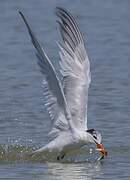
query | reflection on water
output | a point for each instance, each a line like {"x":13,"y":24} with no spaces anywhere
{"x":74,"y":171}
{"x":17,"y":160}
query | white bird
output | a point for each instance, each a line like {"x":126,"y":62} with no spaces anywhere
{"x":66,"y":100}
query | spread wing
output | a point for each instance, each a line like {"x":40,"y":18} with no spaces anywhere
{"x":53,"y":94}
{"x":75,"y":68}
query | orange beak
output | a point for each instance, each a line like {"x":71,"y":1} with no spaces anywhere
{"x":102,"y":150}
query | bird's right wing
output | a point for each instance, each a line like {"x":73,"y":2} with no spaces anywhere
{"x":75,"y":68}
{"x":53,"y":94}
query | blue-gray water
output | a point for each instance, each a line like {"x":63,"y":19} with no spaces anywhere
{"x":24,"y":123}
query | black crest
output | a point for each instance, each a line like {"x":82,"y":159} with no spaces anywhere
{"x":92,"y":132}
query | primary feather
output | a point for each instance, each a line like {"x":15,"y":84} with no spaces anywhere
{"x":53,"y":94}
{"x":75,"y":68}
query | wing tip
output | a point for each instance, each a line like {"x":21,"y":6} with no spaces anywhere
{"x":60,"y":10}
{"x":21,"y":14}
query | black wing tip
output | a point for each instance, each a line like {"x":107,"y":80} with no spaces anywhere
{"x":58,"y":8}
{"x":21,"y":14}
{"x":61,"y":10}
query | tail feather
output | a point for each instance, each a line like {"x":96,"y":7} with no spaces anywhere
{"x":38,"y":151}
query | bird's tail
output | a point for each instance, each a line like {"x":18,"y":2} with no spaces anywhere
{"x":35,"y":153}
{"x":38,"y":152}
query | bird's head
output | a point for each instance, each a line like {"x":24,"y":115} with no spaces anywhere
{"x":95,"y":137}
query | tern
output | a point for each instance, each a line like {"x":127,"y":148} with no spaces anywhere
{"x":66,"y":99}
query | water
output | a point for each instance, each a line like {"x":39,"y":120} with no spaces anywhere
{"x":24,"y":123}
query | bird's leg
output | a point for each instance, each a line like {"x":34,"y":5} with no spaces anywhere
{"x":61,"y":156}
{"x":58,"y":158}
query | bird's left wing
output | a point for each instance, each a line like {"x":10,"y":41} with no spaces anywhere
{"x":53,"y":94}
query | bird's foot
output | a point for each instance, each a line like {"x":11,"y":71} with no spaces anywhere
{"x":60,"y":157}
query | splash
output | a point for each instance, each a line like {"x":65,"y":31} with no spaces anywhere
{"x":21,"y":153}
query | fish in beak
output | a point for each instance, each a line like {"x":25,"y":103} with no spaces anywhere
{"x":102,"y":150}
